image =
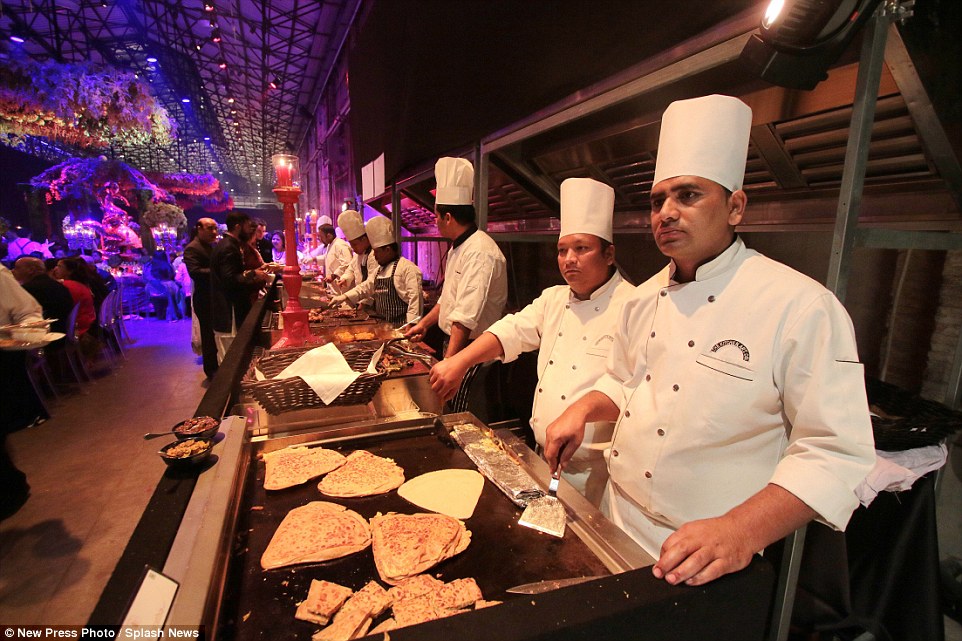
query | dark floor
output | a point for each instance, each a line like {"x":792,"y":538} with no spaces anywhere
{"x":91,"y":474}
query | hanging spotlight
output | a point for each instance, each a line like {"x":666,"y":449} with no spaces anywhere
{"x":17,"y":35}
{"x":185,"y":100}
{"x":230,"y":101}
{"x":800,"y":39}
{"x":215,"y":35}
{"x":273,"y":84}
{"x":208,"y":6}
{"x":151,"y":59}
{"x":222,"y":64}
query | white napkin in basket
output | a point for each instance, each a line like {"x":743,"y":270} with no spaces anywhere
{"x":324,"y":370}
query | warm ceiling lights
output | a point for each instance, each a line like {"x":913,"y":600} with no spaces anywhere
{"x":151,"y":59}
{"x":273,"y":83}
{"x":215,"y":35}
{"x":222,"y":64}
{"x":208,"y":6}
{"x":185,"y":100}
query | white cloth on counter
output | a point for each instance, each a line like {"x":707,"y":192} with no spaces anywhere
{"x":898,"y":471}
{"x":325,"y":371}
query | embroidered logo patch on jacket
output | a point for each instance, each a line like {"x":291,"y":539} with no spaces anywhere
{"x":733,"y":343}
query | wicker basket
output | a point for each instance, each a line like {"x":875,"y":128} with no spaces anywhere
{"x":292,"y":394}
{"x":910,"y":421}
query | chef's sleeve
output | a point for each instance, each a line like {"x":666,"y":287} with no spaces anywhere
{"x":521,"y":332}
{"x":407,"y":281}
{"x":477,"y":271}
{"x":830,"y":448}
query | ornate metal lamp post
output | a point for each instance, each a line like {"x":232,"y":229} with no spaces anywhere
{"x":287,"y":188}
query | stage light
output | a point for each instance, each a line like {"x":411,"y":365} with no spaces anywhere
{"x":215,"y":35}
{"x":208,"y":6}
{"x":800,"y":39}
{"x":185,"y":100}
{"x":222,"y":64}
{"x":17,"y":35}
{"x":274,"y":83}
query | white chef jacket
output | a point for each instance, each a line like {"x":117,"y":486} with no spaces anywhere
{"x":475,"y":285}
{"x":573,"y":337}
{"x":407,"y":282}
{"x":339,"y":261}
{"x":372,"y":268}
{"x":747,"y":375}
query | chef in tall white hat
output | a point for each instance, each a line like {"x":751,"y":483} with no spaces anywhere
{"x":734,"y":380}
{"x":363,"y":265}
{"x":570,"y":325}
{"x":475,"y":281}
{"x":396,"y":285}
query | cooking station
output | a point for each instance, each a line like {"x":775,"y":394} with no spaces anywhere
{"x":207,"y":529}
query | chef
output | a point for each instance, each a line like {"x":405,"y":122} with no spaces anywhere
{"x":396,"y":286}
{"x":475,"y":282}
{"x":338,"y":259}
{"x":364,"y":264}
{"x":735,"y":382}
{"x":571,"y":326}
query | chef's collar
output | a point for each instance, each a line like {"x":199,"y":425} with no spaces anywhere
{"x":717,"y":265}
{"x":601,"y":291}
{"x":463,"y":237}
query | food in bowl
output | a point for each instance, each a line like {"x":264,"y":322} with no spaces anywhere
{"x":197,"y":426}
{"x":187,"y":448}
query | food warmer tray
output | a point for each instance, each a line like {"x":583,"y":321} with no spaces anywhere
{"x":260,"y":604}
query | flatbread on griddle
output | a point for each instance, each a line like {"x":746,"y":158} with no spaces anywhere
{"x":318,"y":531}
{"x":363,"y":474}
{"x":295,"y":465}
{"x":323,"y":600}
{"x":451,"y":492}
{"x":408,"y":544}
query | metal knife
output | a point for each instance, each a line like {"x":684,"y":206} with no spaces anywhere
{"x":539,"y":587}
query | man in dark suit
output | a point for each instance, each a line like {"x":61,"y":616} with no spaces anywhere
{"x":232,"y":285}
{"x":197,"y":255}
{"x":52,"y":295}
{"x":262,"y":242}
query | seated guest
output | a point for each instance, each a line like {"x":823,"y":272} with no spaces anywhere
{"x":163,"y":289}
{"x":72,"y":272}
{"x":53,"y":296}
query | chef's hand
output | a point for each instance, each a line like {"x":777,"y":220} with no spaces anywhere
{"x":446,"y":377}
{"x":338,"y":300}
{"x":701,"y":551}
{"x":563,"y":437}
{"x":416,"y":332}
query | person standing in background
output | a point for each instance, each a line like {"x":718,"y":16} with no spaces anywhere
{"x":232,"y":285}
{"x":261,"y":242}
{"x":197,"y":255}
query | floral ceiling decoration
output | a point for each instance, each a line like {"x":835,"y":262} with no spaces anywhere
{"x":195,"y":190}
{"x":80,"y":104}
{"x":80,"y":181}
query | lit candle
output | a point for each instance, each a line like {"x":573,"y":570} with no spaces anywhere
{"x":283,"y":174}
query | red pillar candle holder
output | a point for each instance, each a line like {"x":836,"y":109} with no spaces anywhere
{"x":296,"y":329}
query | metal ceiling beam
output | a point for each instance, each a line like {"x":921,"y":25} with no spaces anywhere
{"x":535,"y":185}
{"x":772,"y":151}
{"x":926,"y":121}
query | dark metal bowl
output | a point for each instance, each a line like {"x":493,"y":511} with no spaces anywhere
{"x":187,"y":461}
{"x":208,"y":433}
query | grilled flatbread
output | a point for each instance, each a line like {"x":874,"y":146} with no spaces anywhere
{"x":451,"y":492}
{"x":318,"y":531}
{"x":354,"y":619}
{"x":363,"y":474}
{"x":323,"y":600}
{"x":408,"y":544}
{"x":295,"y":465}
{"x":417,"y":601}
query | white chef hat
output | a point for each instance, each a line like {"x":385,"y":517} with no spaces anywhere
{"x":587,"y":207}
{"x":705,"y":137}
{"x":455,"y":178}
{"x":380,"y":231}
{"x":351,"y":224}
{"x":324,"y":219}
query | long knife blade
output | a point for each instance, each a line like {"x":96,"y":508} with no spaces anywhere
{"x":538,"y":587}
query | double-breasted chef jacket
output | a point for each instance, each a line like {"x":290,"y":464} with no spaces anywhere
{"x":574,"y":338}
{"x":339,"y":262}
{"x":372,"y":268}
{"x":475,"y":285}
{"x":747,"y":375}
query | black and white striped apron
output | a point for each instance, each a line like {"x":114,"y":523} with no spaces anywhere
{"x":387,"y":303}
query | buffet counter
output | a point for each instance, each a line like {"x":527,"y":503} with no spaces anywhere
{"x":207,"y":529}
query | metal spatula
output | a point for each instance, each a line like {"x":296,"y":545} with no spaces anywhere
{"x":546,"y":514}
